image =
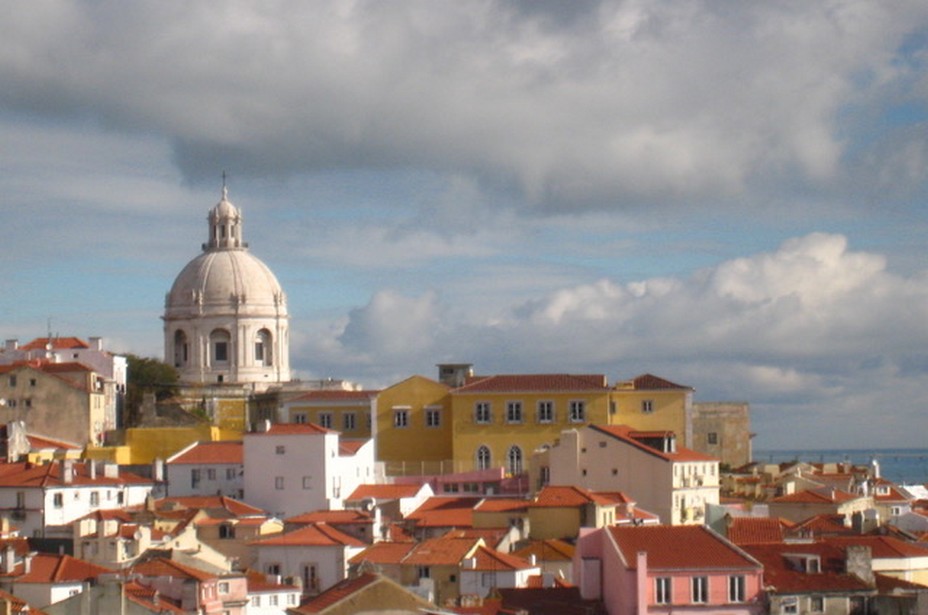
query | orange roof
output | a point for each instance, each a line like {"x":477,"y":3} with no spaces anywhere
{"x":40,"y":442}
{"x":881,"y":547}
{"x":164,"y":567}
{"x":48,"y":568}
{"x":223,"y":451}
{"x":781,"y":572}
{"x":808,"y":496}
{"x":384,"y":492}
{"x":258,"y":582}
{"x":512,"y":383}
{"x":210,"y":502}
{"x":502,"y":505}
{"x":314,"y":535}
{"x":293,"y":429}
{"x":650,"y":382}
{"x":491,"y":559}
{"x":58,"y":343}
{"x":339,"y":592}
{"x":445,"y":511}
{"x":151,"y":599}
{"x":629,"y":435}
{"x":569,"y":496}
{"x":384,"y":553}
{"x":754,"y":530}
{"x":332,"y":517}
{"x":50,"y":475}
{"x":347,"y":448}
{"x":547,"y":550}
{"x":681,"y":547}
{"x":441,"y":551}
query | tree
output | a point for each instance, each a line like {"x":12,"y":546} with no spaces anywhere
{"x":147,"y":375}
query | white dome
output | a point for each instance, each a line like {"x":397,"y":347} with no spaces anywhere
{"x":226,"y":281}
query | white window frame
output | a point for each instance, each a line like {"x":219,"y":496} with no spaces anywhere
{"x":736,"y":588}
{"x":577,"y":411}
{"x":401,"y":418}
{"x":433,"y":417}
{"x":663,"y":590}
{"x":699,"y":590}
{"x":483,"y":413}
{"x":513,"y":412}
{"x":545,"y":411}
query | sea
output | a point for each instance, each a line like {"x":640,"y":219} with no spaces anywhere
{"x":903,"y":466}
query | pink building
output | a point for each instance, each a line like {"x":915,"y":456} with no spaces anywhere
{"x":636,"y":570}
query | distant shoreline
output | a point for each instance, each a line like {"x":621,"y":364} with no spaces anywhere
{"x":900,"y":465}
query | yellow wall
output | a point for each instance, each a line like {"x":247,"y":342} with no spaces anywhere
{"x":150,"y":443}
{"x":499,"y":435}
{"x":549,"y":522}
{"x":337,"y":410}
{"x":668,"y":410}
{"x":416,"y":442}
{"x":230,"y":414}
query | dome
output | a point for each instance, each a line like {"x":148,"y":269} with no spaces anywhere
{"x":226,"y":281}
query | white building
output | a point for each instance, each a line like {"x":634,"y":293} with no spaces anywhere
{"x":225,"y":317}
{"x":673,"y":482}
{"x":43,"y":500}
{"x":295,"y":468}
{"x":207,"y":468}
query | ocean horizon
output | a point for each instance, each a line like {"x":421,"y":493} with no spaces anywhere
{"x":903,"y":466}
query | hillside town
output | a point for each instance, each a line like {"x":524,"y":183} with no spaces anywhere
{"x":237,"y":489}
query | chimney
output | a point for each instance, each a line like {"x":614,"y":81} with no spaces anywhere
{"x":157,"y":470}
{"x":67,"y":471}
{"x":95,"y":343}
{"x":9,"y":559}
{"x":92,"y":466}
{"x":110,"y":470}
{"x":533,"y":560}
{"x":27,"y":562}
{"x":859,"y":562}
{"x":11,"y":344}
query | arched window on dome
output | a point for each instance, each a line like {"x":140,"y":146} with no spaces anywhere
{"x":181,"y":349}
{"x":263,"y":346}
{"x":220,"y":347}
{"x":483,"y":458}
{"x":515,"y":460}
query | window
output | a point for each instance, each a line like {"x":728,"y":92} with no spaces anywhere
{"x":401,"y":418}
{"x":272,"y":568}
{"x":483,"y":458}
{"x":482,"y":413}
{"x":647,"y":406}
{"x":94,"y":498}
{"x":700,"y":589}
{"x":712,"y":437}
{"x":230,"y":473}
{"x":263,"y":348}
{"x":325,"y":419}
{"x":222,"y":352}
{"x":736,"y":588}
{"x":223,"y":587}
{"x":195,"y":478}
{"x":546,"y":412}
{"x":544,"y":476}
{"x":272,"y":600}
{"x":310,"y":576}
{"x":789,"y":604}
{"x":211,"y":473}
{"x":662,"y":590}
{"x":307,"y":482}
{"x":424,"y":572}
{"x":817,"y":604}
{"x":226,"y":531}
{"x":577,"y":411}
{"x":58,"y":500}
{"x":12,"y":381}
{"x":432,"y":417}
{"x":487,"y":579}
{"x":515,"y":460}
{"x":349,"y":421}
{"x":278,"y":482}
{"x":514,"y":412}
{"x":280,"y":449}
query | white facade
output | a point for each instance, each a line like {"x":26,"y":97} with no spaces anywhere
{"x":190,"y":474}
{"x":316,"y":568}
{"x":482,"y":582}
{"x":71,"y":491}
{"x":675,"y":484}
{"x":272,"y":602}
{"x":225,"y":317}
{"x":296,"y":468}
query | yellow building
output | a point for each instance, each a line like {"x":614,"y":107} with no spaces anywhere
{"x":348,"y":412}
{"x":649,"y":403}
{"x":413,"y":428}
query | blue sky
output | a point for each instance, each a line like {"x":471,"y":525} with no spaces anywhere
{"x":729,"y":196}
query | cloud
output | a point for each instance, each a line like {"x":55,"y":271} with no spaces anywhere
{"x":812,"y":325}
{"x":603,"y":105}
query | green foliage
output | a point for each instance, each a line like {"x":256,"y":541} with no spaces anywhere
{"x":147,"y":375}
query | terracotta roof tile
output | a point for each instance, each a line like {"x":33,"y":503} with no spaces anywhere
{"x":628,"y":435}
{"x":345,"y":589}
{"x":519,"y":383}
{"x":665,"y":547}
{"x":548,"y":550}
{"x":50,"y":474}
{"x":347,"y":448}
{"x":754,"y":530}
{"x":442,"y":551}
{"x":315,"y":535}
{"x":234,"y":507}
{"x":491,"y":559}
{"x":881,"y":547}
{"x":224,"y":451}
{"x":164,"y":567}
{"x":492,"y":505}
{"x":384,"y":492}
{"x":384,"y":553}
{"x":336,"y":517}
{"x":809,"y":496}
{"x":57,"y":343}
{"x":445,"y":511}
{"x":783,"y":573}
{"x":559,"y":496}
{"x":48,"y":568}
{"x":650,"y":382}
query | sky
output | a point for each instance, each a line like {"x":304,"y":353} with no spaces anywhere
{"x":731,"y":196}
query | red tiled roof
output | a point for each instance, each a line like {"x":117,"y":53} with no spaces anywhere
{"x":754,"y":530}
{"x":548,"y":550}
{"x":293,"y":429}
{"x":445,"y":511}
{"x":820,"y":525}
{"x":315,"y":535}
{"x":384,"y":553}
{"x":26,"y":474}
{"x":337,"y":517}
{"x":537,"y":581}
{"x":209,"y":502}
{"x":384,"y":492}
{"x":345,"y":589}
{"x":223,"y":451}
{"x":683,"y":547}
{"x":627,"y":434}
{"x":650,"y":382}
{"x":259,"y":583}
{"x":441,"y":551}
{"x":58,"y":343}
{"x":40,"y":442}
{"x":808,"y":496}
{"x":491,"y":559}
{"x":150,"y":598}
{"x":347,"y":448}
{"x":48,"y":568}
{"x":561,"y":496}
{"x":164,"y":567}
{"x":506,"y":383}
{"x":782,"y":574}
{"x":881,"y":547}
{"x":492,"y":505}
